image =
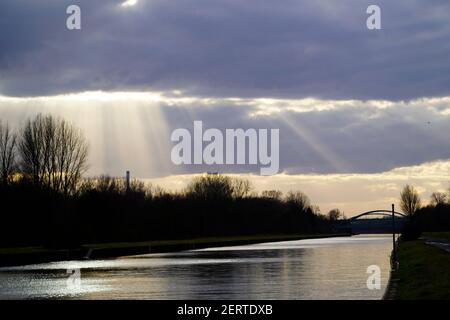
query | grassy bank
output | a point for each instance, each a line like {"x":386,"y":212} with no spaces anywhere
{"x":423,"y":272}
{"x":17,"y":256}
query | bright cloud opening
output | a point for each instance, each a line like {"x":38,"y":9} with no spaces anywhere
{"x":129,"y":3}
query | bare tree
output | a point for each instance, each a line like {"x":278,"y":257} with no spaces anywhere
{"x":409,"y":200}
{"x":334,"y":214}
{"x":299,"y":199}
{"x":438,"y":198}
{"x":211,"y":187}
{"x":8,"y":141}
{"x":241,"y":188}
{"x":53,"y":153}
{"x":32,"y":150}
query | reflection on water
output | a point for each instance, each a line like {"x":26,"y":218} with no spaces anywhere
{"x":332,"y":268}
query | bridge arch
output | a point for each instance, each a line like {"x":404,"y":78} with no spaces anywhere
{"x":378,"y":212}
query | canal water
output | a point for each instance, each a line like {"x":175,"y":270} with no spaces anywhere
{"x":331,"y":268}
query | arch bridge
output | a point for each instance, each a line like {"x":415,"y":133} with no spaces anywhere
{"x":378,"y":213}
{"x":373,"y":225}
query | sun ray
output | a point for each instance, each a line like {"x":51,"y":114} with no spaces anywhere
{"x":316,"y":144}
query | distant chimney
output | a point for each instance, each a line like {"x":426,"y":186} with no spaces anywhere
{"x":128,"y":181}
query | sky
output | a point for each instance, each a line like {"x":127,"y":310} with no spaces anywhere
{"x":360,"y":112}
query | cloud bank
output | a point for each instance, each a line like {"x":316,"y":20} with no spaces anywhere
{"x":296,"y":49}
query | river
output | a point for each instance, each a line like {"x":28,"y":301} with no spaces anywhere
{"x":330,"y":268}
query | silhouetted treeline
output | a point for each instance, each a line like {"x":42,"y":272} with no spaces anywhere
{"x":433,"y":217}
{"x":45,"y":201}
{"x":104,"y":211}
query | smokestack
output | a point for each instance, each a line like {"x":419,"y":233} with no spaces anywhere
{"x":128,"y":181}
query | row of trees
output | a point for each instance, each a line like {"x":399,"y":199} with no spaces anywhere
{"x":435,"y":216}
{"x":46,"y":200}
{"x":104,"y":209}
{"x":411,"y":203}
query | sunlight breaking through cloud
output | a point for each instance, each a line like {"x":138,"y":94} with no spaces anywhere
{"x":351,"y":154}
{"x":129,"y":3}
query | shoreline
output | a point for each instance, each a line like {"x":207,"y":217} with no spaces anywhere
{"x":391,"y":289}
{"x":33,"y":255}
{"x":422,"y":272}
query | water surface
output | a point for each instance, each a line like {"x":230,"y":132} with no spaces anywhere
{"x":331,"y":268}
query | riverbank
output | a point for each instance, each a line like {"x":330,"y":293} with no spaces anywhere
{"x":423,"y":272}
{"x":30,"y":255}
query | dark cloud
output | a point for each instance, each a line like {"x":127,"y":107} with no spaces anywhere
{"x":228,"y":48}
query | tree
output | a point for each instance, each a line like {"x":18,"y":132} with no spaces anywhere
{"x":53,"y":153}
{"x":299,"y":200}
{"x":8,"y":141}
{"x":211,"y":187}
{"x":409,"y":200}
{"x":438,"y":198}
{"x":334,"y":214}
{"x":241,"y":188}
{"x":316,"y":210}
